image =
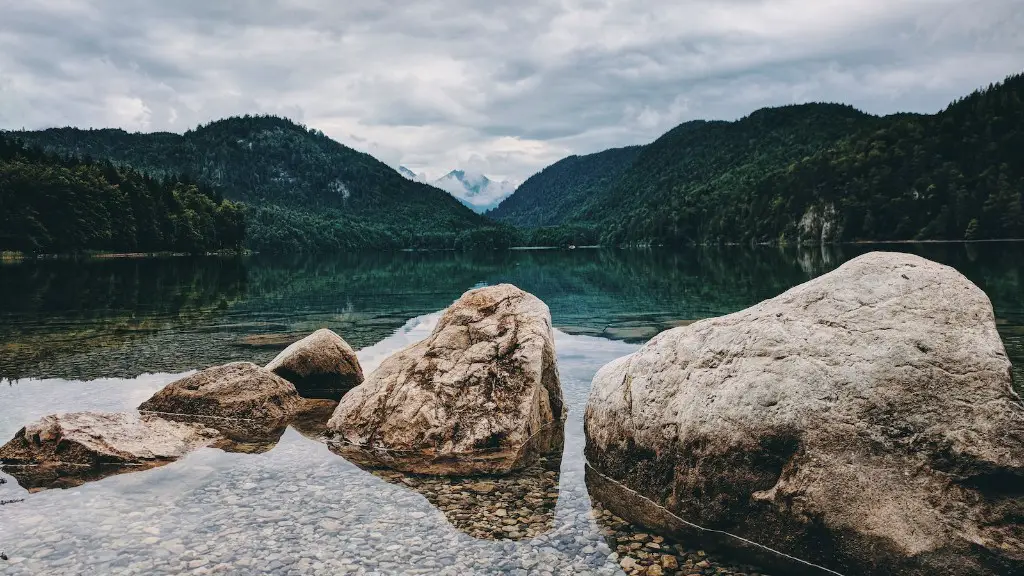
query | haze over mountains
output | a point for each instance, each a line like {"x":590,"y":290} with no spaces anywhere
{"x":475,"y":190}
{"x":811,"y":173}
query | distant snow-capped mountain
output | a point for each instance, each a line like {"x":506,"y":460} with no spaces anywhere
{"x":475,"y":190}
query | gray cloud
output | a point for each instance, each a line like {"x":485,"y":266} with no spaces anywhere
{"x":506,"y":87}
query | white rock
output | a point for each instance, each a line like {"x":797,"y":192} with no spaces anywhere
{"x":871,"y":406}
{"x":480,"y":395}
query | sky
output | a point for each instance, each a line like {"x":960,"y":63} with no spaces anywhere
{"x":497,"y":88}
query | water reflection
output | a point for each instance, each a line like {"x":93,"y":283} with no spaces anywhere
{"x":102,"y":318}
{"x":298,"y":506}
{"x":516,"y":506}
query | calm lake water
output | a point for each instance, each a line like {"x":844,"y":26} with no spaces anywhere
{"x":106,"y":334}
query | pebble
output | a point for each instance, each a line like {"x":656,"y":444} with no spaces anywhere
{"x":299,"y":509}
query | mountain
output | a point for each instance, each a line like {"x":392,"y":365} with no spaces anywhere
{"x":554,"y":194}
{"x":52,"y":204}
{"x":474,"y":190}
{"x":301,"y":190}
{"x":807,"y":173}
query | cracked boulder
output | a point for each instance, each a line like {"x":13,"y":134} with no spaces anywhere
{"x":321,"y":365}
{"x":247,"y":403}
{"x":481,"y":395}
{"x":66,"y":450}
{"x":863,"y":422}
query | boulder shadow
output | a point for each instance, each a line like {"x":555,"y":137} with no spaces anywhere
{"x":518,"y":505}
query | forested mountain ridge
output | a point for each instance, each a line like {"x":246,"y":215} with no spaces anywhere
{"x":806,"y":173}
{"x":555,"y":193}
{"x":302,"y":190}
{"x":50,"y":203}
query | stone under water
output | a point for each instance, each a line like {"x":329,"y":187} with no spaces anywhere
{"x":863,"y":422}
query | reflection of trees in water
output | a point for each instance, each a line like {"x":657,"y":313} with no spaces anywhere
{"x":83,"y":319}
{"x":53,"y":309}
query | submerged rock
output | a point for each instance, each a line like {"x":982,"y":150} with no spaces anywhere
{"x":312,"y":416}
{"x":481,"y":395}
{"x":515,"y":506}
{"x":321,"y":365}
{"x":245,"y":402}
{"x":863,"y":421}
{"x":71,"y":449}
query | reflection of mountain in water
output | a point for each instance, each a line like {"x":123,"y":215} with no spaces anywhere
{"x":86,"y":319}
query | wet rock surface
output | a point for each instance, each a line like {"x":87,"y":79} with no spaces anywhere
{"x":864,"y":421}
{"x":64,"y":450}
{"x":296,"y":509}
{"x":321,"y":365}
{"x":481,"y":395}
{"x":244,"y":401}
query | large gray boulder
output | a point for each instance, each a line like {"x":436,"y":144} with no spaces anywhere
{"x":864,"y":421}
{"x":242,"y":400}
{"x":480,"y":395}
{"x":321,"y":365}
{"x":70,"y":449}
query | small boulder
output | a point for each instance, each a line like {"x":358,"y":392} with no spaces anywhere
{"x":481,"y":395}
{"x":242,"y":400}
{"x":70,"y":449}
{"x":864,"y":421}
{"x":321,"y":365}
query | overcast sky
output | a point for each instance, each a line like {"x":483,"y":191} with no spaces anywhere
{"x":503,"y":88}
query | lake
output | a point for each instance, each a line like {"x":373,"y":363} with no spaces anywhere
{"x":104,"y":334}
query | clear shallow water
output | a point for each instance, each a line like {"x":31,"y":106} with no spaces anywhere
{"x":106,"y":335}
{"x":295,"y":507}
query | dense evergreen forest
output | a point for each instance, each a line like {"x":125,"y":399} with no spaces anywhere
{"x":809,"y":173}
{"x":50,"y":203}
{"x":554,"y":194}
{"x":302,"y":190}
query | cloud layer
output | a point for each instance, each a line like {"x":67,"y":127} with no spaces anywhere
{"x":496,"y":88}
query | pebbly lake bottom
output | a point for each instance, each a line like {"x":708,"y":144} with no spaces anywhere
{"x":300,"y":509}
{"x":105,"y":335}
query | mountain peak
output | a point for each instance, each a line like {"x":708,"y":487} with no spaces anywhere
{"x":474,"y":189}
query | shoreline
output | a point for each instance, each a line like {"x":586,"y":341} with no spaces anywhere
{"x":10,"y":256}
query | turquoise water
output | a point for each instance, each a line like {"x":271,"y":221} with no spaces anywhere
{"x":104,"y":335}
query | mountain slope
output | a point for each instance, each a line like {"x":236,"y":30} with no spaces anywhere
{"x":699,"y":172}
{"x":54,"y":204}
{"x":302,"y":189}
{"x":554,"y":194}
{"x":807,"y":173}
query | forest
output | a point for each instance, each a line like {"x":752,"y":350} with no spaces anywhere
{"x":301,"y":190}
{"x":54,"y":204}
{"x":808,"y":173}
{"x":805,"y":174}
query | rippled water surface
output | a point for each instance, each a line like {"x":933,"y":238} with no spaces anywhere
{"x":104,"y":335}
